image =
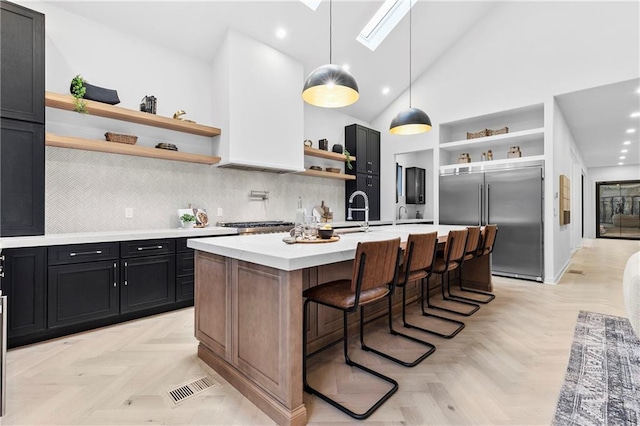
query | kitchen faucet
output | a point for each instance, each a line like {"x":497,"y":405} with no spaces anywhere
{"x":365,"y":226}
{"x":400,"y":211}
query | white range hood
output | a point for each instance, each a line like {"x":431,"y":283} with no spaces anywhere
{"x":257,"y":101}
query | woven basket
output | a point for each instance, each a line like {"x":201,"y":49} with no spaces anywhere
{"x":497,"y":132}
{"x":481,"y":134}
{"x":117,"y":137}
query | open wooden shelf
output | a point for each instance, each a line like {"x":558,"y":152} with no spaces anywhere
{"x":56,"y":100}
{"x":121,"y":148}
{"x":514,"y":138}
{"x":323,"y":174}
{"x":321,"y":153}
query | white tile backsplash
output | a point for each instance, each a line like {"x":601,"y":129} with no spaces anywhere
{"x":89,"y":191}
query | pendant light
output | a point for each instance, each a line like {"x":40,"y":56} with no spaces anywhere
{"x":330,"y":86}
{"x":410,"y":121}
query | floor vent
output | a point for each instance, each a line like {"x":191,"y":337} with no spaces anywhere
{"x":575,"y":271}
{"x":183,"y":393}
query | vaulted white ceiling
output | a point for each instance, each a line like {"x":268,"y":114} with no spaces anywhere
{"x":196,"y":28}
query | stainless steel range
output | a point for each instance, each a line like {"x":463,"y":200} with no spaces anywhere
{"x":262,"y":227}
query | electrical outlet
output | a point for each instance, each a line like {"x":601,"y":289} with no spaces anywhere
{"x":219,"y":211}
{"x":128,"y":212}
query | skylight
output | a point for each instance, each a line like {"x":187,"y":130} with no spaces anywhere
{"x":383,"y":22}
{"x":312,"y":4}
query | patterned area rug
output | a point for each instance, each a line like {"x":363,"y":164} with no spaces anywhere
{"x":602,"y":384}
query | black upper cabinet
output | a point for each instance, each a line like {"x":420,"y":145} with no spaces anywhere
{"x":22,"y":63}
{"x":24,"y":284}
{"x":364,"y":144}
{"x":22,"y":114}
{"x":21,"y":178}
{"x":415,"y":183}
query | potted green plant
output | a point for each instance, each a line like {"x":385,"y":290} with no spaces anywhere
{"x":78,"y":91}
{"x":347,"y":157}
{"x":187,"y":220}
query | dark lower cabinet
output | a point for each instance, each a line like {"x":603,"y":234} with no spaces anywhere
{"x":82,"y":292}
{"x":147,"y":282}
{"x":184,"y":275}
{"x":24,"y":284}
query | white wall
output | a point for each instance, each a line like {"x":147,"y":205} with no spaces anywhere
{"x":523,"y":54}
{"x":602,"y":174}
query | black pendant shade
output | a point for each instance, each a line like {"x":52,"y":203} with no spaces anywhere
{"x":330,"y":86}
{"x":410,"y":122}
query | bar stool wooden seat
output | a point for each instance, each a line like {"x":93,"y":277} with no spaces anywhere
{"x":452,"y":259}
{"x":483,"y":240}
{"x":418,"y":258}
{"x":375,"y":274}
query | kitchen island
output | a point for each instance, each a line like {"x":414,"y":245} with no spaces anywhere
{"x":248,"y":308}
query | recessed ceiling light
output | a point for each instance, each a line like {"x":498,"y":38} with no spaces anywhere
{"x":385,"y":90}
{"x":624,"y":151}
{"x":626,"y":143}
{"x":281,"y":33}
{"x":631,"y":130}
{"x":638,"y":91}
{"x":312,"y":4}
{"x":620,"y":164}
{"x":635,"y":114}
{"x":622,"y":157}
{"x":383,"y":22}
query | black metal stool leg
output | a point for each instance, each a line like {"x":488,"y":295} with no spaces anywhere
{"x":460,"y":324}
{"x":450,"y":299}
{"x":490,"y":296}
{"x":348,"y":361}
{"x":393,"y":332}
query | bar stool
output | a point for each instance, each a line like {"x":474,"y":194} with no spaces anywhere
{"x":375,"y":274}
{"x":452,"y":258}
{"x":485,"y":248}
{"x":418,"y":259}
{"x":471,"y":251}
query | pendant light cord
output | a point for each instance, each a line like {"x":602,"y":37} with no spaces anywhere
{"x":330,"y":31}
{"x":410,"y":53}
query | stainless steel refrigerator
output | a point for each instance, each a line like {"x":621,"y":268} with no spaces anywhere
{"x":512,"y":199}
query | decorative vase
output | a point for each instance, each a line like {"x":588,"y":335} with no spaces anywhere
{"x":187,"y":224}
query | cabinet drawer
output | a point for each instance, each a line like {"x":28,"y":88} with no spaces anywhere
{"x":185,"y":264}
{"x":146,"y":248}
{"x":80,"y":253}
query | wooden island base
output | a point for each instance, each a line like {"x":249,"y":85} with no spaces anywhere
{"x":248,"y":319}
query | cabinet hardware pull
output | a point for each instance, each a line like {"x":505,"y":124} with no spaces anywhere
{"x":2,"y":258}
{"x":84,"y":253}
{"x":149,"y":248}
{"x":115,"y":265}
{"x":126,"y":274}
{"x":2,"y":274}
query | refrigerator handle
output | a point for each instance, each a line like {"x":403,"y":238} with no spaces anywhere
{"x":479,"y":205}
{"x":488,"y":206}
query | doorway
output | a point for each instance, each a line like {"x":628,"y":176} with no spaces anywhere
{"x":618,"y":209}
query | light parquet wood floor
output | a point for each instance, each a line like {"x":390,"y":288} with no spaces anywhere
{"x":505,"y":368}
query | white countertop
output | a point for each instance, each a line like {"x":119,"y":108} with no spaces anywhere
{"x":270,"y":250}
{"x":110,"y":236}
